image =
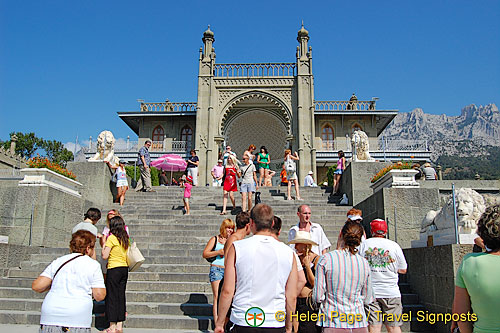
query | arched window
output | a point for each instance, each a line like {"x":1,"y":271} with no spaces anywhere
{"x":327,"y":137}
{"x":158,"y":134}
{"x":356,"y":126}
{"x":187,"y":136}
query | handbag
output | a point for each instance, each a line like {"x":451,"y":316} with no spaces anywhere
{"x":257,"y":198}
{"x":212,"y":259}
{"x":134,"y":257}
{"x":114,"y":179}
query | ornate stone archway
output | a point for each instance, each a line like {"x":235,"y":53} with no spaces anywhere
{"x":257,"y":118}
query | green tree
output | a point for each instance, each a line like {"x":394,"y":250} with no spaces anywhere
{"x":26,"y":145}
{"x":56,"y":152}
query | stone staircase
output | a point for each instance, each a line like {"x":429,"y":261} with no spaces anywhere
{"x":171,"y":290}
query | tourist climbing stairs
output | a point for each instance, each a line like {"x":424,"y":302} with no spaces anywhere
{"x":171,"y":290}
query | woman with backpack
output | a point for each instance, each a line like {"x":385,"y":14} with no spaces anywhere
{"x":291,"y":173}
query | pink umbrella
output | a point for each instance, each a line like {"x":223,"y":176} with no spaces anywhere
{"x":170,"y":162}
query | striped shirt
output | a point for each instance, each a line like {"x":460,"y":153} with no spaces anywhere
{"x":342,"y":286}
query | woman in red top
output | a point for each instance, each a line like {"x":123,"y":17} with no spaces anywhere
{"x":231,"y":172}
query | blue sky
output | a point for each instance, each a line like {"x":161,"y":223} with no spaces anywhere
{"x":67,"y":67}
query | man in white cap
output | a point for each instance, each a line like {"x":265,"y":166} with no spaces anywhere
{"x":309,"y":180}
{"x":217,"y":173}
{"x":386,"y":260}
{"x":317,"y":233}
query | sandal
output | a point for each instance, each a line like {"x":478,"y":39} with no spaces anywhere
{"x":223,"y":213}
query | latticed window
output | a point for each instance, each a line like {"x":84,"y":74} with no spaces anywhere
{"x":158,"y":133}
{"x":187,"y":136}
{"x":327,"y":137}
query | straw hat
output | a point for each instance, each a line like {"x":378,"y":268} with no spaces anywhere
{"x":427,"y":165}
{"x":302,"y":237}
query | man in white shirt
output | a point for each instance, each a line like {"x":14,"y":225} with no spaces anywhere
{"x":386,"y":260}
{"x":260,"y":261}
{"x":317,"y":233}
{"x":309,"y":180}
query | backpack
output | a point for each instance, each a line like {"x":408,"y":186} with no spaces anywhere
{"x":289,"y":166}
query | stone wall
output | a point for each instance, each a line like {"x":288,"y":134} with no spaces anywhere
{"x":12,"y":255}
{"x":96,"y":180}
{"x":431,"y":274}
{"x":402,"y":208}
{"x":355,"y":181}
{"x":49,"y":213}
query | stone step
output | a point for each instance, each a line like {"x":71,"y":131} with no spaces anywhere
{"x":146,"y":267}
{"x":132,"y":296}
{"x":159,"y":321}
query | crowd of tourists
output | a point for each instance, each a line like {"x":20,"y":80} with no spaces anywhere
{"x":353,"y":288}
{"x":74,"y":280}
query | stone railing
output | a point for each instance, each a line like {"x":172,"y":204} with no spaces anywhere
{"x":180,"y":146}
{"x":327,"y":106}
{"x":392,"y":144}
{"x":156,"y":146}
{"x":168,"y":107}
{"x":254,"y":70}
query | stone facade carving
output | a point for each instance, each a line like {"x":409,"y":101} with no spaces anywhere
{"x":225,"y":95}
{"x":105,"y":148}
{"x":470,"y":206}
{"x":361,"y":146}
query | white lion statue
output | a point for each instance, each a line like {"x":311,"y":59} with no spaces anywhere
{"x":470,"y":206}
{"x":105,"y":149}
{"x":361,"y":146}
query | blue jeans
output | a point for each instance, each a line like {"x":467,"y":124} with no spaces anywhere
{"x":216,"y":273}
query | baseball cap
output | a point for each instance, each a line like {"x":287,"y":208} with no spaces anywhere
{"x":378,"y":227}
{"x":189,"y":179}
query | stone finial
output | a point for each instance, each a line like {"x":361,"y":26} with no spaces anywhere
{"x":13,"y":140}
{"x":353,"y":98}
{"x":303,"y":32}
{"x":477,"y":176}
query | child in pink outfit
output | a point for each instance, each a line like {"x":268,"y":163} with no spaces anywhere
{"x":188,"y":185}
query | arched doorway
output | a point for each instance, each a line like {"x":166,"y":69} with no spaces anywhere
{"x":257,"y":118}
{"x":260,"y":128}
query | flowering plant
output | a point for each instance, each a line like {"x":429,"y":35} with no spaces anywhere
{"x":44,"y":162}
{"x":398,"y":165}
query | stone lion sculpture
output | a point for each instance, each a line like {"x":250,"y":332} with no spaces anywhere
{"x":105,"y":148}
{"x":470,"y":206}
{"x":361,"y":146}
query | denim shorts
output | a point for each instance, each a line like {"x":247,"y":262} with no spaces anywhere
{"x":216,"y":273}
{"x":247,"y":188}
{"x":338,"y":171}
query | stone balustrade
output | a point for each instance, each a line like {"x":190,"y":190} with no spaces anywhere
{"x":168,"y":107}
{"x":328,"y":106}
{"x":254,"y":70}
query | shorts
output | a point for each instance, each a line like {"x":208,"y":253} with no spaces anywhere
{"x":59,"y":329}
{"x":292,"y":177}
{"x":338,"y":172}
{"x":247,"y":188}
{"x":386,"y":305}
{"x":121,"y":182}
{"x":186,"y":200}
{"x":216,"y":273}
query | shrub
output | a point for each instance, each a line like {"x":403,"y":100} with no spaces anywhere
{"x":155,"y":179}
{"x":329,"y":174}
{"x":44,"y":162}
{"x":398,"y":165}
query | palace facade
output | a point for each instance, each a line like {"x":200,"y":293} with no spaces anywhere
{"x":270,"y":104}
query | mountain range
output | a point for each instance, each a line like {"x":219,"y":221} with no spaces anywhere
{"x":472,"y":133}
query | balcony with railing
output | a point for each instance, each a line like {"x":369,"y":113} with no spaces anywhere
{"x":166,"y":146}
{"x":168,"y":107}
{"x":329,"y":106}
{"x":255,"y":70}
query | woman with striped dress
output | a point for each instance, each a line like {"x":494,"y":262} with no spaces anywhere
{"x":343,"y":285}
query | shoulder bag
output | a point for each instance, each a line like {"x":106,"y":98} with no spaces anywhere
{"x":134,"y":257}
{"x":212,"y":259}
{"x":244,"y":173}
{"x":289,"y":166}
